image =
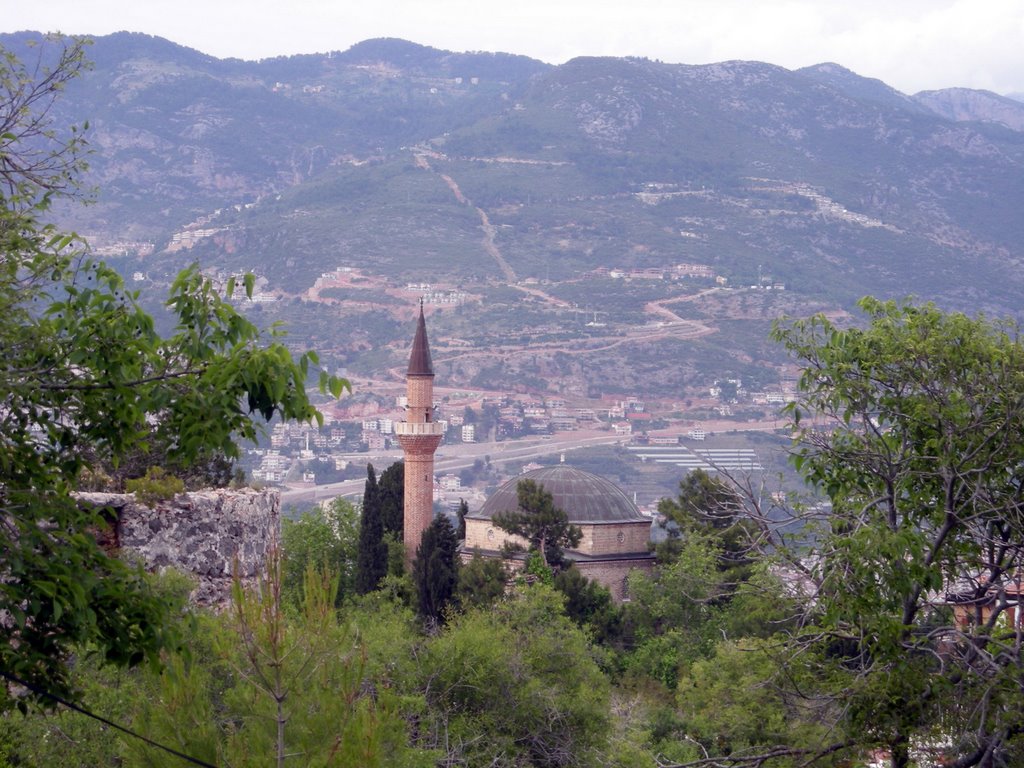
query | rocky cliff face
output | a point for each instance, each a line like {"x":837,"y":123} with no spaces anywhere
{"x":965,"y":104}
{"x":206,"y":534}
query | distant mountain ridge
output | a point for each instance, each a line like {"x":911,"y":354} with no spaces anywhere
{"x":866,"y":89}
{"x":965,"y":104}
{"x":826,"y":180}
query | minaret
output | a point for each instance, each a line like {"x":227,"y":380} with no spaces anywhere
{"x":419,"y":436}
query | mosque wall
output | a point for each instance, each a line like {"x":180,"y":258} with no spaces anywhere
{"x":485,"y":535}
{"x":604,"y":539}
{"x":613,"y":574}
{"x":614,"y":538}
{"x":626,"y":542}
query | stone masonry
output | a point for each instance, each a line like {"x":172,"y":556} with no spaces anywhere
{"x":203,"y":534}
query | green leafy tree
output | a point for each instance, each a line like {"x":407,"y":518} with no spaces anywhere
{"x":460,"y":531}
{"x":762,"y":606}
{"x":540,"y":522}
{"x":39,"y":159}
{"x":436,"y":569}
{"x":66,"y":738}
{"x":517,"y":685}
{"x":326,"y":538}
{"x":372,"y":558}
{"x":482,"y":582}
{"x":395,"y":558}
{"x":910,"y":426}
{"x":61,"y":736}
{"x":589,"y":604}
{"x":534,"y":570}
{"x":86,"y":378}
{"x":703,"y":500}
{"x":264,"y":686}
{"x":391,"y":502}
{"x":741,"y":701}
{"x":711,"y":507}
{"x":672,"y":614}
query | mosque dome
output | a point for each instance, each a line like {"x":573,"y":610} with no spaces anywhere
{"x":584,"y":497}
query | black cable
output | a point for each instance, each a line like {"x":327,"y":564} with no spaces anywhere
{"x":36,"y":689}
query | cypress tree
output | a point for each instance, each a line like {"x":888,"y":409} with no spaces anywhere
{"x":372,"y":559}
{"x":460,"y":532}
{"x":392,"y":499}
{"x":436,"y":568}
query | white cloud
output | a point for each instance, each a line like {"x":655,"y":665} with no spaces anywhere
{"x":910,"y":44}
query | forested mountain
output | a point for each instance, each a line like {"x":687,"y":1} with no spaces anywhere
{"x":827,"y":180}
{"x":482,"y":170}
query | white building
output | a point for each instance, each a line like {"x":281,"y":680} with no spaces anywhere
{"x":451,"y":483}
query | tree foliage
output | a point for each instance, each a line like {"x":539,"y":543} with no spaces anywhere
{"x":741,"y":701}
{"x":265,"y":686}
{"x":391,"y":497}
{"x":711,"y":508}
{"x":435,"y":570}
{"x":540,"y":522}
{"x":463,"y":510}
{"x":672,"y":611}
{"x":910,"y":426}
{"x":86,"y":378}
{"x":69,"y":739}
{"x":372,"y":558}
{"x":326,"y":538}
{"x":482,"y":582}
{"x":704,"y":502}
{"x":522,"y":674}
{"x":37,"y":158}
{"x":589,"y":604}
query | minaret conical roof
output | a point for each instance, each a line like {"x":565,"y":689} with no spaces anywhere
{"x":419,"y":360}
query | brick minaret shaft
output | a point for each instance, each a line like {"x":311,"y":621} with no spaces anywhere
{"x":419,"y":436}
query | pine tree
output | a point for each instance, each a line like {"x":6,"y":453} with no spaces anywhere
{"x":372,"y":560}
{"x":540,"y":522}
{"x":436,"y":568}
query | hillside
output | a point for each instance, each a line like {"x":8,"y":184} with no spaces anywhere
{"x":486,"y":174}
{"x":964,"y":104}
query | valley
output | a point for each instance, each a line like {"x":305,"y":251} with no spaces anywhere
{"x":603,"y":232}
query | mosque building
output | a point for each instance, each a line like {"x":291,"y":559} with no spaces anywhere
{"x":615,"y":535}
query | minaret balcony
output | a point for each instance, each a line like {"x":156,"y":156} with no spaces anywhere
{"x":419,"y":428}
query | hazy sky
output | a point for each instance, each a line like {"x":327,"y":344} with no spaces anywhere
{"x":912,"y":45}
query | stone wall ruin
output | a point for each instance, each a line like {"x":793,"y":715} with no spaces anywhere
{"x":202,"y":534}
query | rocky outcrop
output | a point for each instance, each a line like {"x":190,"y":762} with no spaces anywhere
{"x":206,"y":534}
{"x":967,"y":104}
